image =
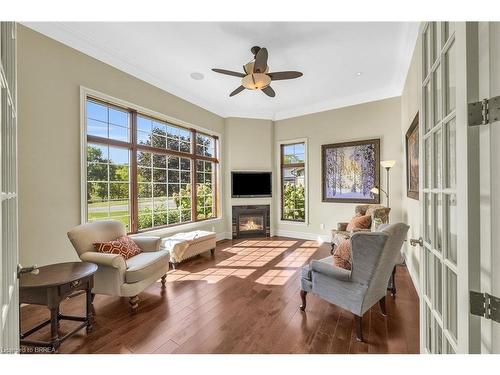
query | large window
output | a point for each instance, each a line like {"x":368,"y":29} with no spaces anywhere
{"x":145,"y":172}
{"x":293,"y":184}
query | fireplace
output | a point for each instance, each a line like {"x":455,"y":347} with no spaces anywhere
{"x":251,"y":221}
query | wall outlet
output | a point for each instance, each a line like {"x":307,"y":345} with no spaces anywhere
{"x":322,"y":226}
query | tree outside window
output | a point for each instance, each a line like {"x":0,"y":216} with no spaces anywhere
{"x":293,"y":182}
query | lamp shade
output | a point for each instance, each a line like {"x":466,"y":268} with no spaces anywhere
{"x":388,"y":163}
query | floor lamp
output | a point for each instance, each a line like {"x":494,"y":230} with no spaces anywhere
{"x":387,"y":164}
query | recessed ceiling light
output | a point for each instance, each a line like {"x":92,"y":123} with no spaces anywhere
{"x":197,"y":76}
{"x":359,"y":73}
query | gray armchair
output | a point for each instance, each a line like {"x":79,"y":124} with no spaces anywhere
{"x":374,"y":256}
{"x":116,"y":276}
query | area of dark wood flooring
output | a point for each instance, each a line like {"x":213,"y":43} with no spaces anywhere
{"x":245,"y":299}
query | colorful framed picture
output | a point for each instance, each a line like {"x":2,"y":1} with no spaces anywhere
{"x":412,"y":165}
{"x":350,"y":171}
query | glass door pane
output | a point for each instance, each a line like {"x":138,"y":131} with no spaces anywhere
{"x":450,"y":162}
{"x":451,"y":227}
{"x":428,"y":266}
{"x":427,"y":161}
{"x":451,"y":306}
{"x":436,"y":85}
{"x":427,"y":218}
{"x":449,"y":60}
{"x":428,"y":107}
{"x":426,"y":51}
{"x":438,"y":332}
{"x":428,"y":330}
{"x":437,"y":160}
{"x":438,"y":285}
{"x":439,"y":222}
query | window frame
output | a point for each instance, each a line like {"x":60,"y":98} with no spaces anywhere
{"x":280,"y":166}
{"x":133,"y":148}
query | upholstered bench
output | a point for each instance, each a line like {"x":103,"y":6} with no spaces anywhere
{"x":183,"y":246}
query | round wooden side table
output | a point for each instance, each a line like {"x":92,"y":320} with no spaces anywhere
{"x":50,"y":287}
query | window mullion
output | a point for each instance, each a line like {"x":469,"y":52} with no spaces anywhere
{"x":214,"y":180}
{"x":282,"y":175}
{"x":134,"y":200}
{"x":194,"y":208}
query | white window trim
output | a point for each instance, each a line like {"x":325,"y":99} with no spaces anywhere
{"x":86,"y":92}
{"x":306,"y":180}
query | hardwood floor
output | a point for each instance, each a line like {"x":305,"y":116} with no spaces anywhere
{"x":245,"y":299}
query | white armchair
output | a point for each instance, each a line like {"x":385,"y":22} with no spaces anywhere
{"x":116,"y":276}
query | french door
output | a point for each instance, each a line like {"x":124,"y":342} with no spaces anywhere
{"x":9,"y":305}
{"x":445,"y":176}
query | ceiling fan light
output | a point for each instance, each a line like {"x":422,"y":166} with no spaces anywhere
{"x":256,"y":81}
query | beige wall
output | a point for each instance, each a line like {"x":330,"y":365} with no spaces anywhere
{"x":49,"y":79}
{"x":249,"y":147}
{"x":410,"y":105}
{"x":379,"y":119}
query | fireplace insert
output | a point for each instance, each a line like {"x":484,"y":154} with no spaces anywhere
{"x":251,"y":221}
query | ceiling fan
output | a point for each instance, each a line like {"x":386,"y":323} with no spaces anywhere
{"x":257,"y":76}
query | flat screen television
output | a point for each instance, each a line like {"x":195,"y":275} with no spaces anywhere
{"x":251,"y":184}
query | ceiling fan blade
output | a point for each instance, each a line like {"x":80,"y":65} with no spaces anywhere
{"x":237,"y":91}
{"x":260,"y":65}
{"x":277,"y":76}
{"x":269,"y":91}
{"x":229,"y":72}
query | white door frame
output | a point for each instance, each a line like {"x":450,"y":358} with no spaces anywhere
{"x":489,"y":167}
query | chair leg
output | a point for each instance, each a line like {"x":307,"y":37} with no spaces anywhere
{"x":381,"y":303}
{"x":212,"y":251}
{"x":134,"y":303}
{"x":303,"y":295}
{"x":163,"y":281}
{"x":359,"y":327}
{"x":392,"y":283}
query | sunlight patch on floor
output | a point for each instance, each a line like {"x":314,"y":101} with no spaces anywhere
{"x":315,"y":244}
{"x":253,"y":254}
{"x":251,"y":257}
{"x":265,"y":243}
{"x":210,"y":275}
{"x":297,"y":258}
{"x":275,"y":277}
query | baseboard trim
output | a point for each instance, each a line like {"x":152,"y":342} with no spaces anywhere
{"x":282,"y":233}
{"x":221,"y":236}
{"x":302,"y":235}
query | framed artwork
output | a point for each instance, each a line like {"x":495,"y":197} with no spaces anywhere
{"x":412,"y":166}
{"x":350,"y":171}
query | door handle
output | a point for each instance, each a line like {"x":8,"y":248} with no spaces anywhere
{"x":415,"y":242}
{"x":33,"y":269}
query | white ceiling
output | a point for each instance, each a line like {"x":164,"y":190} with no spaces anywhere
{"x":329,"y":54}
